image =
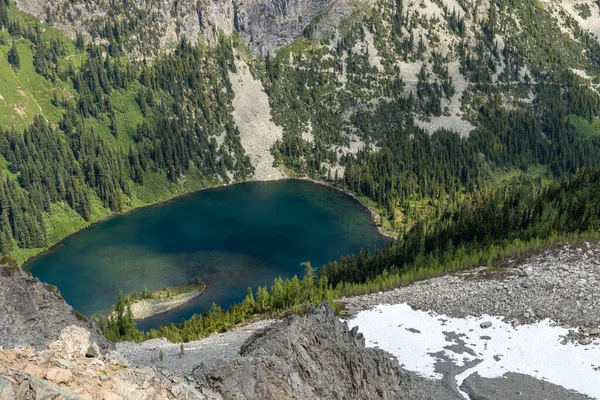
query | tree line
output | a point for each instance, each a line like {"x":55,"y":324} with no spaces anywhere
{"x":486,"y":226}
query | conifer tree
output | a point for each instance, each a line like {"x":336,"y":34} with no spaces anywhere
{"x":13,"y":56}
{"x":3,"y":15}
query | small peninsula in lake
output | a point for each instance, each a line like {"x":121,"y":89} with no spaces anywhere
{"x":146,"y":304}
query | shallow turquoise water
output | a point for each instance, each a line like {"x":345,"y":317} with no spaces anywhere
{"x":231,"y":237}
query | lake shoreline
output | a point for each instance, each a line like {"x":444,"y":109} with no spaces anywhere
{"x":374,"y":215}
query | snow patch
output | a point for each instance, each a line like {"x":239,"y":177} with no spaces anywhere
{"x":533,"y":350}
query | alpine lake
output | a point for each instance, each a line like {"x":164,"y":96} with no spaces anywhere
{"x":231,"y":237}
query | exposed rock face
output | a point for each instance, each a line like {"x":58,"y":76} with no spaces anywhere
{"x":269,"y":24}
{"x":479,"y":388}
{"x":46,"y":352}
{"x":34,"y":314}
{"x":252,"y":115}
{"x":310,"y":357}
{"x":28,"y":374}
{"x":264,"y":25}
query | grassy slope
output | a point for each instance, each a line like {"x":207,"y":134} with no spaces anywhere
{"x":25,"y":94}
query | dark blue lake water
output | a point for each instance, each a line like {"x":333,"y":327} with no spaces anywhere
{"x":231,"y":237}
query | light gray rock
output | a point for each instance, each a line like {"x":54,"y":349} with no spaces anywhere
{"x":553,"y":291}
{"x":310,"y":357}
{"x":6,"y":388}
{"x":30,"y":387}
{"x":264,"y":25}
{"x":93,"y":350}
{"x":267,"y":25}
{"x":515,"y":386}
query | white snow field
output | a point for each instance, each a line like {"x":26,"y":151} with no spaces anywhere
{"x":533,"y":350}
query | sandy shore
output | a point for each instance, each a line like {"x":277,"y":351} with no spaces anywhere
{"x":144,"y":308}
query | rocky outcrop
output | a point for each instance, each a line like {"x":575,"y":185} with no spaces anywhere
{"x":34,"y":314}
{"x":264,"y":25}
{"x":29,"y":374}
{"x":309,"y":357}
{"x":49,"y":352}
{"x":267,"y":25}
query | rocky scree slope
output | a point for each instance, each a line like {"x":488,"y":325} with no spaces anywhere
{"x":560,"y":284}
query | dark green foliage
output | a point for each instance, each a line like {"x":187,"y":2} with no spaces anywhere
{"x":3,"y":15}
{"x":490,"y":218}
{"x":120,"y":324}
{"x":283,"y":295}
{"x":13,"y":56}
{"x":47,"y":169}
{"x":79,"y":41}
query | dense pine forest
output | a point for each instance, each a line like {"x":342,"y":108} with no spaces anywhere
{"x":469,"y":131}
{"x":95,"y":162}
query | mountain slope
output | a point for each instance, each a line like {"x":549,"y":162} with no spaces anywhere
{"x":409,"y":104}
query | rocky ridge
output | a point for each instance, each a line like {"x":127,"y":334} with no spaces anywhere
{"x":310,"y":357}
{"x":34,"y":313}
{"x":64,"y":357}
{"x":263,"y":25}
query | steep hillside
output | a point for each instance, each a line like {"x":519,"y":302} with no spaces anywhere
{"x":34,"y":314}
{"x":408,"y":104}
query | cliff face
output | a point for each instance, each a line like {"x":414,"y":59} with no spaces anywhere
{"x":34,"y":314}
{"x":266,"y":25}
{"x":263,"y":25}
